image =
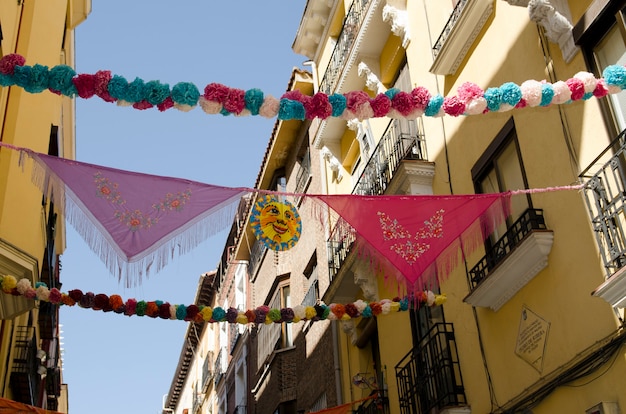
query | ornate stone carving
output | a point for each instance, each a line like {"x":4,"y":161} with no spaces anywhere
{"x":399,"y":21}
{"x":557,"y":27}
{"x":366,"y":280}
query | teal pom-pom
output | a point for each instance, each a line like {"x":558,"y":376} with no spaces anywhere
{"x":158,"y":302}
{"x":587,"y":95}
{"x":181,"y":312}
{"x":615,"y":75}
{"x":493,"y":96}
{"x":40,"y":284}
{"x":511,"y":93}
{"x":185,"y":93}
{"x":391,"y":92}
{"x":404,"y":304}
{"x":326,"y":311}
{"x":218,"y":314}
{"x":254,"y":99}
{"x":39,"y":79}
{"x":367,"y":312}
{"x":288,"y":110}
{"x":117,"y":87}
{"x":338,"y":103}
{"x":21,"y":75}
{"x":434,"y":105}
{"x":60,"y":80}
{"x":136,"y":91}
{"x":547,"y":93}
{"x":156,"y":92}
{"x":6,"y":80}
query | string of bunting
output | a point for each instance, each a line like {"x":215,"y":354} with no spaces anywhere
{"x":199,"y":313}
{"x":471,"y":99}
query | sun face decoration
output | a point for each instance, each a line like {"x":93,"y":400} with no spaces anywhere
{"x":276,"y":223}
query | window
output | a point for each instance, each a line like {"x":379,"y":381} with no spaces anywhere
{"x":501,"y":169}
{"x":275,"y":336}
{"x":602,"y":36}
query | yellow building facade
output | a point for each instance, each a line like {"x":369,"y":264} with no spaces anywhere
{"x":533,"y":320}
{"x":31,"y":234}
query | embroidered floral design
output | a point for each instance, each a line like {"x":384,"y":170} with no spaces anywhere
{"x":410,"y":250}
{"x":136,"y":219}
{"x":173,"y":202}
{"x":107,"y":189}
{"x":391,"y":229}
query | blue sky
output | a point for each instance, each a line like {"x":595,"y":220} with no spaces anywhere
{"x":115,"y":363}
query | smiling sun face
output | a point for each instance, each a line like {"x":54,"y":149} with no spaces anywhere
{"x":276,"y":223}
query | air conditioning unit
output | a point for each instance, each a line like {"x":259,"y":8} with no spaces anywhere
{"x":604,"y":408}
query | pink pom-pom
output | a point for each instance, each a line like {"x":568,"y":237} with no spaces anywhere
{"x":143,"y":104}
{"x":85,"y":85}
{"x":562,"y":93}
{"x":269,"y":108}
{"x":531,"y":92}
{"x":357,"y":102}
{"x":577,"y":88}
{"x":600,"y":90}
{"x":421,"y":97}
{"x":216,"y":92}
{"x":475,"y":106}
{"x":210,"y":107}
{"x":167,"y":103}
{"x":403,"y":103}
{"x":101,"y":85}
{"x":588,"y":80}
{"x":453,"y":106}
{"x":236,"y":101}
{"x":55,"y":296}
{"x":380,"y":105}
{"x":9,"y":62}
{"x":318,"y":107}
{"x":469,"y":91}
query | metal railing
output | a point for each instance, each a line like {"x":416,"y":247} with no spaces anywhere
{"x":402,"y":140}
{"x":532,"y":219}
{"x":25,"y":379}
{"x":256,"y":257}
{"x":207,"y":372}
{"x":345,"y":41}
{"x":303,"y":176}
{"x":605,"y":196}
{"x":452,"y":21}
{"x":219,"y":365}
{"x":429,"y":376}
{"x":377,"y":405}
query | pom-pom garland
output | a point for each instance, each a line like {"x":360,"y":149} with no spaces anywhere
{"x":200,"y":313}
{"x":293,"y":105}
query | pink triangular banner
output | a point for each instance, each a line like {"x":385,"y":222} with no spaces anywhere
{"x":134,"y":221}
{"x":420,"y":236}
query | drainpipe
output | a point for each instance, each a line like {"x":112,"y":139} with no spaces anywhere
{"x":337,"y":367}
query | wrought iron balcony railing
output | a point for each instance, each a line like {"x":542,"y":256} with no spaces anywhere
{"x":402,"y":140}
{"x":25,"y":379}
{"x":345,"y":41}
{"x":605,"y":196}
{"x":219,"y":365}
{"x":452,"y":21}
{"x":207,"y":371}
{"x":429,"y":376}
{"x":256,"y":257}
{"x":532,"y":219}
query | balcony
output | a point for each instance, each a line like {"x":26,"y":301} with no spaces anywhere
{"x":256,"y":257}
{"x":429,"y":376}
{"x":345,"y":41}
{"x":25,"y":379}
{"x":207,"y":372}
{"x":402,"y":141}
{"x":398,"y":143}
{"x":605,"y":196}
{"x":220,"y":365}
{"x":511,"y":262}
{"x":463,"y":27}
